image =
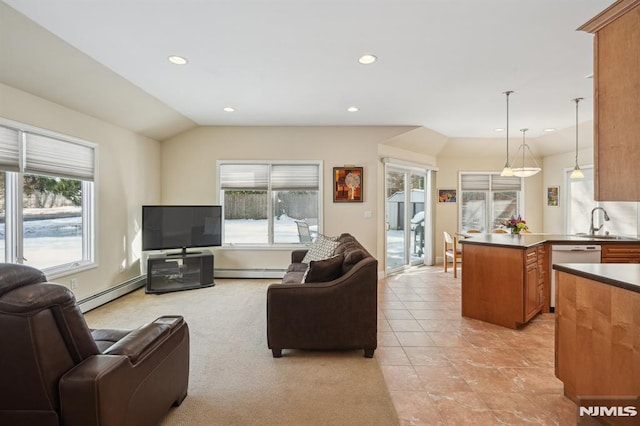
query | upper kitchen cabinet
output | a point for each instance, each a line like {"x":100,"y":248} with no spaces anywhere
{"x":617,"y":101}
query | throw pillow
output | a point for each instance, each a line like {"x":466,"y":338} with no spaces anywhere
{"x":320,"y":271}
{"x":322,"y":248}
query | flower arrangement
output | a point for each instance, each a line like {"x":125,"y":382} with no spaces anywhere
{"x":516,"y":224}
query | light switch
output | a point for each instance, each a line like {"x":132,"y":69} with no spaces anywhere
{"x":368,"y":214}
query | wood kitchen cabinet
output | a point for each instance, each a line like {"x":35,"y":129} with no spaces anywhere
{"x":616,"y":101}
{"x":533,"y":284}
{"x":620,"y":253}
{"x":502,"y":285}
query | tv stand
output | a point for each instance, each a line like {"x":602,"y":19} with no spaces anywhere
{"x":179,"y":271}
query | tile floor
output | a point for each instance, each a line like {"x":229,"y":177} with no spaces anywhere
{"x":442,"y":368}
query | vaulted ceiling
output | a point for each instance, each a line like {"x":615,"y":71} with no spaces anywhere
{"x":442,"y":65}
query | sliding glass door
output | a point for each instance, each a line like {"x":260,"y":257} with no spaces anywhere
{"x":408,"y":219}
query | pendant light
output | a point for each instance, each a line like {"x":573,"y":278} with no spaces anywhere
{"x":577,"y":173}
{"x":507,"y":167}
{"x":524,"y":170}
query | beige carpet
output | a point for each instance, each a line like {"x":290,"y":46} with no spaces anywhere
{"x":234,"y":380}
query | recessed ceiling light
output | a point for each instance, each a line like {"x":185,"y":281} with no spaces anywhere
{"x":177,"y":60}
{"x":352,"y":109}
{"x":550,"y":129}
{"x":499,"y":129}
{"x":228,"y":109}
{"x":367,"y":59}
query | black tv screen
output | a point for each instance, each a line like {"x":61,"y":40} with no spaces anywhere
{"x":172,"y":227}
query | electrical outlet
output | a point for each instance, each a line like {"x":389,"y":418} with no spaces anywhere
{"x":74,"y":283}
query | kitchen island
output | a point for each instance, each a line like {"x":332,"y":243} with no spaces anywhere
{"x":597,"y":339}
{"x":506,"y":280}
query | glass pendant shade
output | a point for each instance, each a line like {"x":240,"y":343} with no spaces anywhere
{"x":507,"y":171}
{"x":576,"y":173}
{"x":525,"y":169}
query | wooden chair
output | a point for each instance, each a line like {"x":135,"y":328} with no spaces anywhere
{"x":499,"y":231}
{"x":473,"y":231}
{"x":452,"y":251}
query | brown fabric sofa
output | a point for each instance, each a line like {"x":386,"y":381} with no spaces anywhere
{"x":56,"y":371}
{"x":337,"y":314}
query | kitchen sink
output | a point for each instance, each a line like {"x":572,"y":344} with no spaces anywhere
{"x":605,"y":237}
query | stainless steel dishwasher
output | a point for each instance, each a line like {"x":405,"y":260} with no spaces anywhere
{"x":571,"y":253}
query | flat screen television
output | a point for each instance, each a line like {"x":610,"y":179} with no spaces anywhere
{"x":181,"y":227}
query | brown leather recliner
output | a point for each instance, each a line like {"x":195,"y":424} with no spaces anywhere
{"x":56,"y":371}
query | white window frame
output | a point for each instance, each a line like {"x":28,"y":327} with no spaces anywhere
{"x":269,"y":163}
{"x":13,"y":204}
{"x":489,"y":191}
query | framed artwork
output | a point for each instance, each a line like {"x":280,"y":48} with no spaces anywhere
{"x":347,"y":184}
{"x":553,"y":194}
{"x":446,"y":195}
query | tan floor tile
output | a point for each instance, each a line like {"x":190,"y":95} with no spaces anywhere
{"x":463,"y":408}
{"x":505,"y":357}
{"x":399,"y":378}
{"x":456,"y":370}
{"x":414,"y":338}
{"x":486,"y":379}
{"x":515,"y":409}
{"x":395,"y":314}
{"x":441,"y":378}
{"x":426,"y":355}
{"x":390,"y":355}
{"x":404,"y":325}
{"x":540,"y":357}
{"x":534,"y":379}
{"x":560,"y":409}
{"x":387,"y":338}
{"x":415,"y":408}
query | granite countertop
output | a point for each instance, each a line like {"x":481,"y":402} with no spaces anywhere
{"x":530,"y":240}
{"x":623,"y":275}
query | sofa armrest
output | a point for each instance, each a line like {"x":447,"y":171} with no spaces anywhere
{"x":140,"y":341}
{"x":112,"y":390}
{"x":95,"y":391}
{"x":298,"y":255}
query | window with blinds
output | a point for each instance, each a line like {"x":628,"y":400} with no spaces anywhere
{"x":263,"y":202}
{"x":486,"y":200}
{"x":47,"y":184}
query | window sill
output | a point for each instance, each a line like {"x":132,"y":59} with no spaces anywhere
{"x":253,"y":247}
{"x":68,"y":269}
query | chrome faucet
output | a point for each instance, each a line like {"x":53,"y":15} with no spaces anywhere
{"x":592,"y":228}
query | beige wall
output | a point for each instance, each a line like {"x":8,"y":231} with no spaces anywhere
{"x":128,"y":176}
{"x":450,"y":165}
{"x":554,"y":168}
{"x":135,"y":170}
{"x":189,"y":176}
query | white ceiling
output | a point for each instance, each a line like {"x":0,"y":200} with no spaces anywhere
{"x":443,"y":64}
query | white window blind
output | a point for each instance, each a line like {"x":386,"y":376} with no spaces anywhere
{"x":505,"y":183}
{"x":295,"y":176}
{"x":9,"y":149}
{"x":49,"y":156}
{"x":474,"y":182}
{"x":244,"y":176}
{"x":486,"y":182}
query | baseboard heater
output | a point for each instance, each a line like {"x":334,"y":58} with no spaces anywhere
{"x":113,"y":293}
{"x":249,"y":273}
